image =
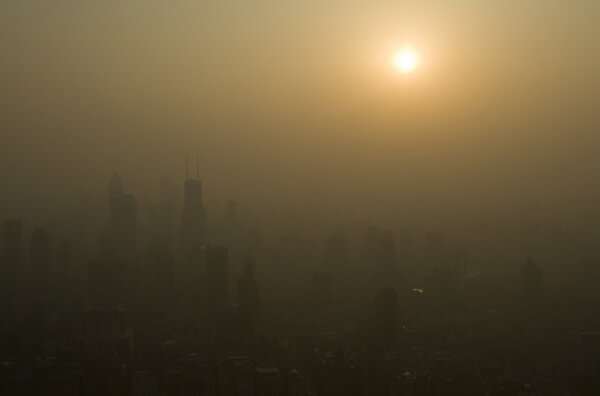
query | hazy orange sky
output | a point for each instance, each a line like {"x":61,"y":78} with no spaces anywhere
{"x":299,"y":99}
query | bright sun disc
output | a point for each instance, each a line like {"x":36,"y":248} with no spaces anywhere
{"x":406,"y":61}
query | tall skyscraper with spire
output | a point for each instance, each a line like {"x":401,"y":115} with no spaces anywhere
{"x":194,"y":215}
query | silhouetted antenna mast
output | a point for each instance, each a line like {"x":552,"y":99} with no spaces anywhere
{"x":187,"y":166}
{"x":197,"y":166}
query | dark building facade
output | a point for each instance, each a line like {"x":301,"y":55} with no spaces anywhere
{"x":217,"y":277}
{"x":40,"y":261}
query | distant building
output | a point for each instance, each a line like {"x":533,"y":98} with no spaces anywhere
{"x":249,"y":293}
{"x":405,"y":245}
{"x":388,"y":253}
{"x":108,"y":275}
{"x":386,"y":317}
{"x":194,"y":215}
{"x":40,"y":261}
{"x":231,"y":214}
{"x":115,"y":187}
{"x":441,"y":289}
{"x":107,"y":334}
{"x":217,"y":277}
{"x":381,"y":254}
{"x":268,"y":381}
{"x":64,"y":267}
{"x":166,"y":210}
{"x":193,"y":219}
{"x":122,"y":215}
{"x":531,"y":280}
{"x":12,"y":238}
{"x":321,"y":293}
{"x":160,"y":278}
{"x":460,"y":263}
{"x":299,"y":384}
{"x":123,"y":221}
{"x":434,"y":249}
{"x":336,"y":252}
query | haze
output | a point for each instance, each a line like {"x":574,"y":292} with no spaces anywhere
{"x":502,"y":107}
{"x":367,"y":198}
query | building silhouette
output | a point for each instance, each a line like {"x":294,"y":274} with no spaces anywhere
{"x":405,"y":245}
{"x":381,"y":255}
{"x":249,"y":293}
{"x":115,"y":187}
{"x":336,"y":252}
{"x":193,"y":219}
{"x":65,"y":279}
{"x":123,"y":215}
{"x":109,"y":274}
{"x":217,"y":277}
{"x":159,"y":273}
{"x":321,"y":294}
{"x":12,"y":249}
{"x":386,"y":317}
{"x":434,"y":250}
{"x":532,"y":278}
{"x":231,"y":214}
{"x":40,"y":261}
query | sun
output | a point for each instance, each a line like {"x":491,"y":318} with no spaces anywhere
{"x":406,"y":60}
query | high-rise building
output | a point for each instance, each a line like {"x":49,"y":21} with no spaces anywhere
{"x":123,"y":220}
{"x":107,"y":333}
{"x":108,"y":275}
{"x":40,"y":261}
{"x":123,"y":215}
{"x":249,"y":293}
{"x":64,"y":268}
{"x":217,"y":277}
{"x":231,"y":214}
{"x":321,"y":294}
{"x":381,"y":254}
{"x":405,"y":245}
{"x":268,"y":381}
{"x":166,"y":208}
{"x":386,"y":317}
{"x":160,"y":277}
{"x":532,"y":278}
{"x":336,"y":252}
{"x":388,"y":253}
{"x":194,"y":215}
{"x":12,"y":238}
{"x":115,"y":187}
{"x":434,"y":249}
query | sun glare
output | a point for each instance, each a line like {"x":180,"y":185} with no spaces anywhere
{"x":406,"y":60}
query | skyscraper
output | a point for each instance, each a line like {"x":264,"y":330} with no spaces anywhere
{"x":386,"y":317}
{"x":64,"y":270}
{"x":381,"y":254}
{"x":434,"y":249}
{"x":321,"y":294}
{"x":217,"y":277}
{"x":336,"y":252}
{"x":12,"y":248}
{"x":123,"y":215}
{"x":532,"y":279}
{"x":249,"y":293}
{"x":40,"y":257}
{"x":115,"y":186}
{"x":160,"y":277}
{"x":194,"y":215}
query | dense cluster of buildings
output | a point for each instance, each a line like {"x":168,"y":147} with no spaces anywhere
{"x":171,"y":308}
